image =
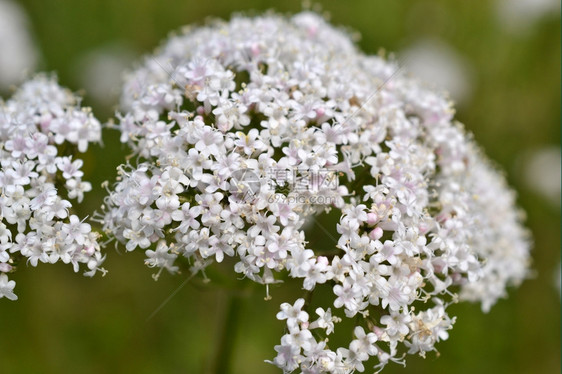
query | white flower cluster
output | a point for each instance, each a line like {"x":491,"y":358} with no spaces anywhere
{"x":41,"y":127}
{"x":300,"y":349}
{"x":424,"y":218}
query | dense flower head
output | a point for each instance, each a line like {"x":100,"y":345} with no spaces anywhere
{"x":246,"y":130}
{"x":41,"y":128}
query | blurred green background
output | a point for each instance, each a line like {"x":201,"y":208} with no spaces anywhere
{"x":65,"y":323}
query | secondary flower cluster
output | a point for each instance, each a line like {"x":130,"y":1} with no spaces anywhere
{"x":424,"y":219}
{"x":299,"y":347}
{"x":40,"y":128}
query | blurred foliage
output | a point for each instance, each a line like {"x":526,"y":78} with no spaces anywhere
{"x":64,"y":323}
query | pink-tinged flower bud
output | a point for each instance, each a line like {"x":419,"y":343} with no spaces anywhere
{"x":372,"y":219}
{"x":89,"y":251}
{"x":376,"y":233}
{"x":255,"y":49}
{"x":4,"y":267}
{"x":378,"y":331}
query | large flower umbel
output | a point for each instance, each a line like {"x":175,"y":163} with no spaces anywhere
{"x":246,"y":130}
{"x":41,"y":128}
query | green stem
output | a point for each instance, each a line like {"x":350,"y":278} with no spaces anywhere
{"x":223,"y":359}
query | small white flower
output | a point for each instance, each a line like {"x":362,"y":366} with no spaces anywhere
{"x":293,"y":314}
{"x":7,"y":288}
{"x":325,"y":320}
{"x":161,"y":257}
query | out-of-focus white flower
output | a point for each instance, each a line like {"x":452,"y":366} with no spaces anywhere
{"x":245,"y":130}
{"x":18,"y":55}
{"x":100,"y":72}
{"x":39,"y":128}
{"x":440,"y":66}
{"x":542,"y":174}
{"x":541,"y":170}
{"x":520,"y":15}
